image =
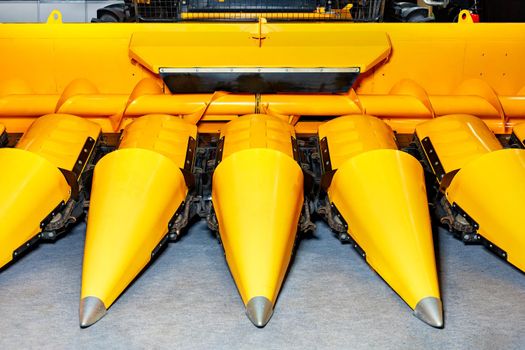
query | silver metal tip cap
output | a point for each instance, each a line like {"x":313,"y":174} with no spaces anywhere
{"x":92,"y":309}
{"x":259,"y":310}
{"x":430,"y":311}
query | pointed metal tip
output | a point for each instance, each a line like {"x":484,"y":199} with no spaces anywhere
{"x":430,"y":311}
{"x":259,"y":310}
{"x":92,"y":309}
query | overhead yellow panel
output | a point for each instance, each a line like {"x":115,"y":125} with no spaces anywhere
{"x":274,"y":49}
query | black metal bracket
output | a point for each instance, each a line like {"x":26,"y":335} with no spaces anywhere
{"x":190,"y":154}
{"x":335,"y":212}
{"x":494,"y":248}
{"x":515,"y":142}
{"x":325,"y":155}
{"x":220,"y":149}
{"x":51,"y":215}
{"x":73,"y":176}
{"x":345,"y":237}
{"x":175,"y":216}
{"x":461,"y":212}
{"x":72,"y":181}
{"x":326,"y":180}
{"x":295,"y":149}
{"x":433,"y":158}
{"x":328,"y":172}
{"x":24,"y":247}
{"x":3,"y":139}
{"x":187,"y":171}
{"x":84,"y":156}
{"x":159,"y":246}
{"x":469,"y":237}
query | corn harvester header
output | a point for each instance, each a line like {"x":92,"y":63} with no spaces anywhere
{"x":258,"y":128}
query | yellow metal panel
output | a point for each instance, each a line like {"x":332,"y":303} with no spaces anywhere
{"x":30,"y":189}
{"x":490,"y":53}
{"x":59,"y":138}
{"x":135,"y":194}
{"x":351,"y":135}
{"x":458,"y":139}
{"x":490,"y":189}
{"x":136,"y":191}
{"x":164,"y":134}
{"x":279,"y":48}
{"x":381,"y":194}
{"x":257,"y":131}
{"x":257,"y":197}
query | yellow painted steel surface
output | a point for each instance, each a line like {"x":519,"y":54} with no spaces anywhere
{"x":32,"y":185}
{"x":349,"y":136}
{"x":477,"y":69}
{"x":257,"y":197}
{"x":380,"y":192}
{"x":59,"y":138}
{"x":29,"y":191}
{"x":466,"y":143}
{"x":257,"y":131}
{"x":458,"y":139}
{"x":490,"y":189}
{"x":163,"y":134}
{"x":277,"y":49}
{"x":136,"y":191}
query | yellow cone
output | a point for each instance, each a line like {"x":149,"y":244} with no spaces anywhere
{"x":257,"y":195}
{"x":135,"y":193}
{"x":491,"y":190}
{"x":30,"y":189}
{"x":32,"y":185}
{"x":381,"y":195}
{"x":380,"y":192}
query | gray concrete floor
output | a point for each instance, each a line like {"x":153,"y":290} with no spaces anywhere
{"x":187,"y":300}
